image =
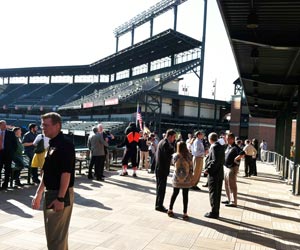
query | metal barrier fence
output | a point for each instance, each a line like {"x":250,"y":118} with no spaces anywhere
{"x":287,"y":169}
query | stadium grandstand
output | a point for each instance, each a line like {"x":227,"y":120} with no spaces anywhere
{"x":146,"y":74}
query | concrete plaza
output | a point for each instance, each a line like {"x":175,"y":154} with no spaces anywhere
{"x":119,"y":214}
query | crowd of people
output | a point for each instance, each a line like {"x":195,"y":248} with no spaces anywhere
{"x":12,"y":148}
{"x":222,"y":156}
{"x":216,"y":156}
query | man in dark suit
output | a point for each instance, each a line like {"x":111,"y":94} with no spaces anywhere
{"x":214,"y":168}
{"x":8,"y":146}
{"x":164,"y":153}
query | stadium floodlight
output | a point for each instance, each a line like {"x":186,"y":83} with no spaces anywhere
{"x":154,"y":11}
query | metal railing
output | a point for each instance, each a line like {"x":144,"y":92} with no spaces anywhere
{"x":287,"y":169}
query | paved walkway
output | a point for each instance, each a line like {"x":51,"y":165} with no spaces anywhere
{"x":119,"y":214}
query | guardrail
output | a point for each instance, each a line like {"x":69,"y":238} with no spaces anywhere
{"x":287,"y":169}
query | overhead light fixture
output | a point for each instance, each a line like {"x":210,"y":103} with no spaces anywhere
{"x":254,"y":52}
{"x":252,"y":21}
{"x":255,"y":105}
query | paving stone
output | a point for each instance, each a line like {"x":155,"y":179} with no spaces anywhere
{"x":119,"y":214}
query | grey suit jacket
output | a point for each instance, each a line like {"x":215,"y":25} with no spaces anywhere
{"x":96,"y":144}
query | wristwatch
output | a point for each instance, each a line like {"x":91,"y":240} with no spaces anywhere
{"x":60,"y":199}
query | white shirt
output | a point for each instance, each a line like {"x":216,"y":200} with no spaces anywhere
{"x":198,"y":148}
{"x":39,"y":137}
{"x":221,"y":141}
{"x":250,"y":150}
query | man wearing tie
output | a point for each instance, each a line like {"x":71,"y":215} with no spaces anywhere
{"x":8,"y":146}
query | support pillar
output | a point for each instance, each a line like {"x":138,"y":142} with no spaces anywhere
{"x":151,"y":34}
{"x":202,"y":62}
{"x":287,"y":143}
{"x":175,"y":16}
{"x":280,"y":128}
{"x":117,"y":44}
{"x":296,"y":182}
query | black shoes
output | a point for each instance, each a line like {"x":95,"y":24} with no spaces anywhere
{"x":231,"y":205}
{"x":196,"y":188}
{"x":170,"y":213}
{"x":206,"y":185}
{"x":161,"y":209}
{"x":225,"y":202}
{"x":90,"y":176}
{"x":100,"y":179}
{"x":211,"y":215}
{"x":124,"y":174}
{"x":19,"y":184}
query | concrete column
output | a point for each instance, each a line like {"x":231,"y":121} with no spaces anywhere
{"x":280,"y":129}
{"x":287,"y":135}
{"x":287,"y":142}
{"x":296,"y":183}
{"x":276,"y":134}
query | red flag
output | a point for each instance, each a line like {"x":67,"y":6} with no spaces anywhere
{"x":139,"y":117}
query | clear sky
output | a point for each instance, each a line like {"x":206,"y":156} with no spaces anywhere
{"x":75,"y":32}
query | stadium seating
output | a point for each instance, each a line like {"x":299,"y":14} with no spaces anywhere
{"x":11,"y":95}
{"x":128,"y":89}
{"x":36,"y":95}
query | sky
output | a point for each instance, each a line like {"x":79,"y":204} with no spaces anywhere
{"x":76,"y":32}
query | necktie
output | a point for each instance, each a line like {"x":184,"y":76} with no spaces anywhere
{"x":1,"y":140}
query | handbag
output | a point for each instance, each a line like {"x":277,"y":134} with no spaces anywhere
{"x":39,"y":148}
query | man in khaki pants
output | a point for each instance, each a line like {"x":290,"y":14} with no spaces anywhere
{"x":233,"y":154}
{"x":57,"y":183}
{"x":198,"y":152}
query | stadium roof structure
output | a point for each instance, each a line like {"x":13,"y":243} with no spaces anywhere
{"x":164,"y":44}
{"x":264,"y":36}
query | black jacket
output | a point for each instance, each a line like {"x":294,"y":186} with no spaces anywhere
{"x":163,"y":158}
{"x":10,"y":144}
{"x":231,"y":152}
{"x":215,"y":160}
